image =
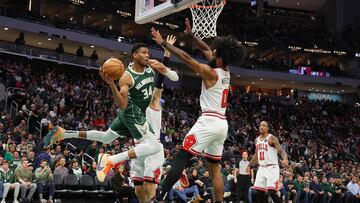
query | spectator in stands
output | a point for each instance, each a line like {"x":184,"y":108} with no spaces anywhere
{"x":352,"y":190}
{"x":8,"y":178}
{"x":120,"y":184}
{"x":302,"y":192}
{"x":45,"y":155}
{"x":94,"y":56}
{"x":44,"y":181}
{"x":75,"y":168}
{"x":335,"y":190}
{"x":327,"y":189}
{"x":18,"y":118}
{"x":61,"y":170}
{"x":22,"y":147}
{"x":21,"y":39}
{"x":24,"y":175}
{"x":60,"y":49}
{"x":80,"y":51}
{"x":9,"y":156}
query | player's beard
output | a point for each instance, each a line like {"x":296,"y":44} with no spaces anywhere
{"x":212,"y":63}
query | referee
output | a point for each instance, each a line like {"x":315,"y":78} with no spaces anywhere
{"x":243,"y":179}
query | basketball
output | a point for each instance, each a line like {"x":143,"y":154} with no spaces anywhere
{"x":114,"y":68}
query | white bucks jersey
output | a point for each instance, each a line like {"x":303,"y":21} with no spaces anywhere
{"x":267,"y":154}
{"x":214,"y":99}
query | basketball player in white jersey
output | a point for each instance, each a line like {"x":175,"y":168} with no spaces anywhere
{"x":207,"y":136}
{"x":266,"y":154}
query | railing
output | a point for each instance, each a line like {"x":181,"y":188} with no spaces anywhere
{"x":9,"y":90}
{"x":47,"y":55}
{"x":13,"y":109}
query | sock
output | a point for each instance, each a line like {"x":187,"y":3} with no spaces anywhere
{"x":71,"y":134}
{"x":95,"y":135}
{"x":41,"y":196}
{"x":180,"y":161}
{"x":260,"y":196}
{"x":274,"y":196}
{"x":117,"y":158}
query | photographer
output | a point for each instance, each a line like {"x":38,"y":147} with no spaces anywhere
{"x":44,"y":178}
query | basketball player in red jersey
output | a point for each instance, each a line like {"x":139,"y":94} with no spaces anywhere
{"x":208,"y":134}
{"x":266,"y":154}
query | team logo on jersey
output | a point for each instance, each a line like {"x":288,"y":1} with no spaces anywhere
{"x":148,"y":70}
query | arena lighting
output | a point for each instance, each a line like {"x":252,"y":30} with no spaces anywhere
{"x":5,"y":28}
{"x":261,"y":79}
{"x":78,"y":2}
{"x":357,"y":55}
{"x":92,"y":46}
{"x":319,"y":51}
{"x":294,"y":48}
{"x":340,"y":53}
{"x":49,"y":39}
{"x":252,"y":82}
{"x":251,"y":44}
{"x":39,"y":43}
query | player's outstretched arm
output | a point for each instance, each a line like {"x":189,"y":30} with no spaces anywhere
{"x":204,"y":48}
{"x":274,"y":141}
{"x":120,"y":97}
{"x":204,"y":70}
{"x":163,"y":70}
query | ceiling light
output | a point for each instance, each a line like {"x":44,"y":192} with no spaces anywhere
{"x":261,"y":79}
{"x":5,"y":28}
{"x":252,"y":82}
{"x":92,"y":46}
{"x":39,"y":43}
{"x":317,"y":90}
{"x":309,"y":89}
{"x":49,"y":39}
{"x":343,"y":90}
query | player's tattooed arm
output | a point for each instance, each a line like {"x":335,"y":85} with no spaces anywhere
{"x":274,"y":141}
{"x":205,"y":71}
{"x":204,"y":48}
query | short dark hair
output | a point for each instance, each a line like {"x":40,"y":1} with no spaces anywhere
{"x":230,"y":50}
{"x":137,"y":46}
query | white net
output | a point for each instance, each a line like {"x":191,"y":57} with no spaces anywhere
{"x":205,"y":15}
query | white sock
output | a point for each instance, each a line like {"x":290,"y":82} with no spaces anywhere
{"x":117,"y":158}
{"x":95,"y":135}
{"x":71,"y":134}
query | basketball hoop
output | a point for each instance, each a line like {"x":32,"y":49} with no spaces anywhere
{"x":205,"y":15}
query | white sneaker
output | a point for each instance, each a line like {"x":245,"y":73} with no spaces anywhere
{"x":15,"y":201}
{"x":3,"y":201}
{"x":227,"y":194}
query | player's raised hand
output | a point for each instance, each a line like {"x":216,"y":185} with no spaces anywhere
{"x":156,"y":36}
{"x":105,"y":77}
{"x":171,"y":39}
{"x":187,"y":26}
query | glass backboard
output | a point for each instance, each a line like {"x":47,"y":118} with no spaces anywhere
{"x":149,"y":10}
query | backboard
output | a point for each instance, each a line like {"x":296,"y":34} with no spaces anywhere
{"x":150,"y":10}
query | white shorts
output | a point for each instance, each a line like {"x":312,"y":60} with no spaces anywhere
{"x":149,"y":168}
{"x":267,"y":178}
{"x":207,"y":136}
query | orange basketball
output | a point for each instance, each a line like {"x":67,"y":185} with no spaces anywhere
{"x":114,"y":68}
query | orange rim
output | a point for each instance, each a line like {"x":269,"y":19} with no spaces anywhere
{"x":207,"y":7}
